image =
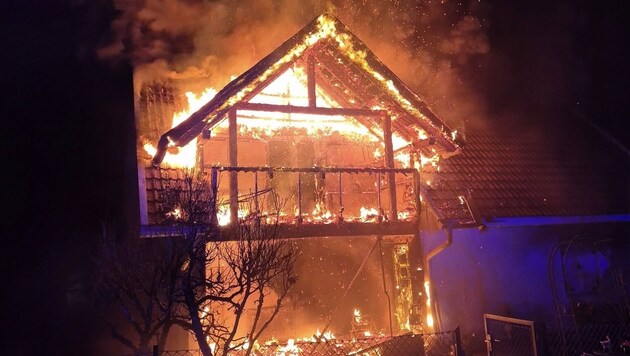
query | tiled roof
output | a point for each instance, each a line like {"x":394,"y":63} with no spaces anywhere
{"x":158,"y":181}
{"x":501,"y":176}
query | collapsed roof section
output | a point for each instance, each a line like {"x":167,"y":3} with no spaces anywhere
{"x":346,"y":70}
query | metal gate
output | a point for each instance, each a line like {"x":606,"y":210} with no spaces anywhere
{"x":509,"y":336}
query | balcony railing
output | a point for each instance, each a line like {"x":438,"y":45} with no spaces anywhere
{"x":384,"y":179}
{"x":391,"y":210}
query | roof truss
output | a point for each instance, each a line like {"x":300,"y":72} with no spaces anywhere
{"x":337,"y":62}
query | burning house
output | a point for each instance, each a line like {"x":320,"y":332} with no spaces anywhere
{"x":319,"y":127}
{"x":325,"y":134}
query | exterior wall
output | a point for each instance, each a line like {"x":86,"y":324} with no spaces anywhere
{"x":508,"y":271}
{"x":499,"y":271}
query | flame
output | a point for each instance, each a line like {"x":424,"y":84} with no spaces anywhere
{"x":186,"y":156}
{"x":422,"y":135}
{"x":326,"y":29}
{"x":403,"y":215}
{"x":398,"y":142}
{"x":377,"y":153}
{"x":289,"y":349}
{"x":427,"y":291}
{"x":224,"y":216}
{"x":318,"y":336}
{"x":404,"y":158}
{"x":357,"y":315}
{"x":290,"y":88}
{"x":175,"y":213}
{"x":433,"y":161}
{"x":345,"y":44}
{"x":367,"y":214}
{"x":319,"y":214}
{"x":328,"y":335}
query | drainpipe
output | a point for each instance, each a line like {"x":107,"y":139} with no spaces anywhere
{"x":433,"y":315}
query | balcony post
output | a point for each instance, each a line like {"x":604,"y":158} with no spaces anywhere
{"x":378,"y":195}
{"x":233,"y":154}
{"x":340,"y":218}
{"x":310,"y":81}
{"x":299,"y":198}
{"x":213,"y":197}
{"x":389,"y":161}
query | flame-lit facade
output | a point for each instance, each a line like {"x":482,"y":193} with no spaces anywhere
{"x":319,"y":137}
{"x":323,"y":133}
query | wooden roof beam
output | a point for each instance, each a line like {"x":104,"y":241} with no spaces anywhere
{"x":292,"y":109}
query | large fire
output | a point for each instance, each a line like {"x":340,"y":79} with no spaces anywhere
{"x":290,"y":89}
{"x":186,"y":157}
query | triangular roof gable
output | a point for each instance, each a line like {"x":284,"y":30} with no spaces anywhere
{"x":323,"y":28}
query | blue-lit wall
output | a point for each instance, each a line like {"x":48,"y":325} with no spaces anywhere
{"x":507,"y":270}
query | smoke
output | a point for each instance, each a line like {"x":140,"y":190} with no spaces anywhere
{"x":325,"y":269}
{"x":205,"y":43}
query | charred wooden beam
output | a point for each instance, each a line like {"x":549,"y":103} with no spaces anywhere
{"x":389,"y":161}
{"x":329,"y":83}
{"x":350,"y":80}
{"x":291,"y":231}
{"x":344,"y":100}
{"x":233,"y":153}
{"x":292,"y":109}
{"x":214,"y":188}
{"x":435,"y":128}
{"x":391,"y":231}
{"x":310,"y":77}
{"x":212,"y":113}
{"x":311,"y":169}
{"x":416,"y":195}
{"x":353,"y":78}
{"x":346,"y":78}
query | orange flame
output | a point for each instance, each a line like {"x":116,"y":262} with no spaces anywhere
{"x":186,"y":156}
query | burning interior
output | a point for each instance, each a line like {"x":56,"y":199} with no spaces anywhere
{"x":323,"y":132}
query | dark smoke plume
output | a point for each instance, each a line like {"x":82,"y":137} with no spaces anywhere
{"x":425,"y":43}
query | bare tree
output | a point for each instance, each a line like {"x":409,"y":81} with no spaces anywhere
{"x":223,"y":286}
{"x":133,"y":287}
{"x":240,"y":276}
{"x":234,"y":281}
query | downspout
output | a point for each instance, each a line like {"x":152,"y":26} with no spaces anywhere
{"x":432,"y":314}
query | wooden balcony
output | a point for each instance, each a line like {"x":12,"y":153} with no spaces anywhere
{"x":386,"y":218}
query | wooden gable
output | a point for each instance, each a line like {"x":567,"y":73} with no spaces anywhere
{"x":338,"y":63}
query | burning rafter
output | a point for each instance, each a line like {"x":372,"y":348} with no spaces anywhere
{"x":309,"y":110}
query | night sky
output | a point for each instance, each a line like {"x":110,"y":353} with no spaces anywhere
{"x":69,"y":131}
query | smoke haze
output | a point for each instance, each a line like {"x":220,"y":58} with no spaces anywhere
{"x":425,"y":44}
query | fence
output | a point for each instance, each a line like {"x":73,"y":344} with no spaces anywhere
{"x":508,"y":336}
{"x":430,"y":344}
{"x":586,"y":338}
